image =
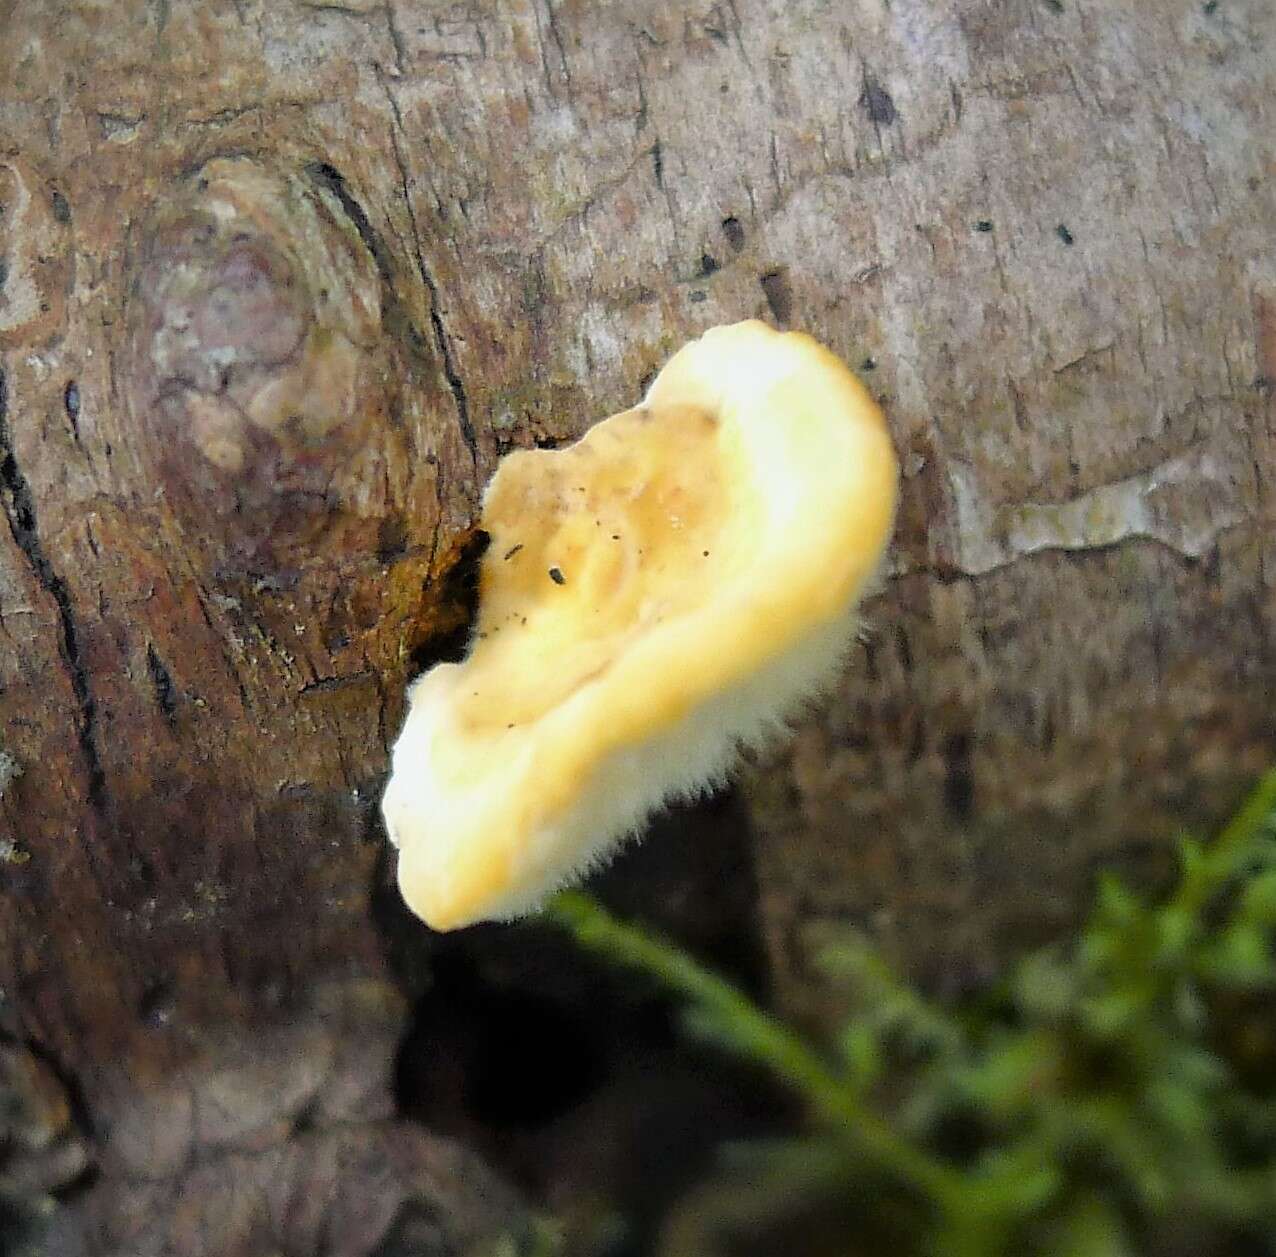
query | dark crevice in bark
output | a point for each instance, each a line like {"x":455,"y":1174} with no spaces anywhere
{"x":331,"y":179}
{"x":71,"y":401}
{"x":450,"y":373}
{"x":441,"y":338}
{"x":396,"y":38}
{"x":557,"y":36}
{"x":396,"y":317}
{"x":19,"y":509}
{"x":231,"y":666}
{"x":82,"y":1122}
{"x":162,"y":682}
{"x":778,"y":293}
{"x":459,"y":589}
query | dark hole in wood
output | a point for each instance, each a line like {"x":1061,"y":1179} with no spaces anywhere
{"x":460,"y":589}
{"x":778,"y":293}
{"x":534,"y":1052}
{"x":959,"y":781}
{"x":530,"y":1057}
{"x":877,"y":103}
{"x":392,"y":538}
{"x":71,"y":400}
{"x":161,"y":682}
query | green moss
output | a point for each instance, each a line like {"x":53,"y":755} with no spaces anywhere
{"x":1109,"y":1093}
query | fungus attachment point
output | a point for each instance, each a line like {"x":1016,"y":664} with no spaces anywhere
{"x":712,"y":543}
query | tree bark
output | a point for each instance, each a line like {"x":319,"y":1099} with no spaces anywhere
{"x":281,"y":283}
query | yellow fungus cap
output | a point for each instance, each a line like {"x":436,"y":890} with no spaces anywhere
{"x":665,"y":591}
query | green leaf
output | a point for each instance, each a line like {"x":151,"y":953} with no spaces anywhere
{"x":1117,"y":904}
{"x":1241,"y":957}
{"x":1258,"y":902}
{"x":860,"y":1048}
{"x":1011,"y":1074}
{"x":1091,"y":1228}
{"x":1044,"y":987}
{"x":1176,"y":928}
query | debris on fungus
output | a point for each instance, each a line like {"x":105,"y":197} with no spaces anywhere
{"x":752,"y":493}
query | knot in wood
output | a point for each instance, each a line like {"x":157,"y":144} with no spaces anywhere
{"x":258,"y":374}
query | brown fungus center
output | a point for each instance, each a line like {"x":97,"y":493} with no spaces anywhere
{"x":593,"y":545}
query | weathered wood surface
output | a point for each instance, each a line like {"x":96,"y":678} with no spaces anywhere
{"x":282,"y":282}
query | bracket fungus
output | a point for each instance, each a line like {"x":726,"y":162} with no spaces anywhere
{"x":657,"y":596}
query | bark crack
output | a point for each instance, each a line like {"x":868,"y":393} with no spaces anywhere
{"x":444,"y":342}
{"x":396,"y":39}
{"x":557,"y":36}
{"x":202,"y":597}
{"x":19,"y":508}
{"x":442,"y":339}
